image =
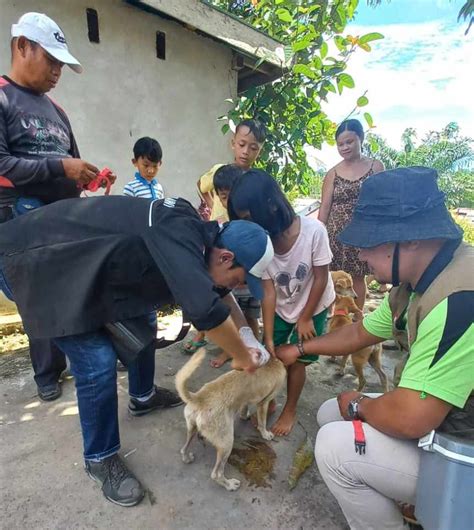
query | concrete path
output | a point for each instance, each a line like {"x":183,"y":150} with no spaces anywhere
{"x":43,"y":484}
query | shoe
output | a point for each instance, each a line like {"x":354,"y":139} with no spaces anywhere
{"x":119,"y":485}
{"x":161,"y":399}
{"x":49,"y":392}
{"x":192,"y":346}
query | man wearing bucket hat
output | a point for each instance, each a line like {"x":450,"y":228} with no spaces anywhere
{"x":406,"y":235}
{"x":113,"y":261}
{"x":39,"y":158}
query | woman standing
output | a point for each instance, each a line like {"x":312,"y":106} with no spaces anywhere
{"x":340,"y":192}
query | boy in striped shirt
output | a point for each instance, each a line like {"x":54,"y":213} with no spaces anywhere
{"x":147,"y":155}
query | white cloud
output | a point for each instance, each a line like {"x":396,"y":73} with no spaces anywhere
{"x":419,"y":76}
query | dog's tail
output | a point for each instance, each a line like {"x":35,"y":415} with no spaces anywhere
{"x":185,"y":373}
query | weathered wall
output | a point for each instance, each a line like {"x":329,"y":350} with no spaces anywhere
{"x":125,"y":92}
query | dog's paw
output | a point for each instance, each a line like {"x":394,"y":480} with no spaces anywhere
{"x":232,"y":484}
{"x":187,"y":458}
{"x":267,"y":435}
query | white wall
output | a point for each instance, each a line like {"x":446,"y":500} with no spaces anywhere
{"x":125,"y":92}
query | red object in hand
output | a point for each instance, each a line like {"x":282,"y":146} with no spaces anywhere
{"x":102,"y":180}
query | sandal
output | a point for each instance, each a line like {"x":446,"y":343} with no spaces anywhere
{"x":192,"y":346}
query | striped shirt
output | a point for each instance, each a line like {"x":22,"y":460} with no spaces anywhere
{"x":140,"y":187}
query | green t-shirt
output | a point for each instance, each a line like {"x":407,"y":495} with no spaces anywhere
{"x":441,"y":361}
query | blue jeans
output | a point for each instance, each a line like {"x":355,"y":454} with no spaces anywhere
{"x":94,"y":367}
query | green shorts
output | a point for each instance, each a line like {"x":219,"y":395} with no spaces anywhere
{"x":285,"y":333}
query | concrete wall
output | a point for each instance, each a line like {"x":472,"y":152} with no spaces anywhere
{"x":125,"y":92}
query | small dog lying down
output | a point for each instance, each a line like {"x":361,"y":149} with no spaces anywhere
{"x":211,"y":410}
{"x":345,"y":305}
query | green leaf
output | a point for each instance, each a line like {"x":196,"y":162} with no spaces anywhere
{"x":362,"y":101}
{"x":369,"y":37}
{"x":225,"y":128}
{"x":318,"y":64}
{"x":304,"y":69}
{"x":302,"y":460}
{"x":369,"y":119}
{"x":303,"y":44}
{"x":346,"y":80}
{"x":324,"y":50}
{"x":340,"y":43}
{"x":284,"y":15}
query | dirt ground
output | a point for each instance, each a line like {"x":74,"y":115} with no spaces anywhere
{"x":43,"y":484}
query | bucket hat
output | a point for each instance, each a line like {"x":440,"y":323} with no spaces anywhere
{"x":402,"y":204}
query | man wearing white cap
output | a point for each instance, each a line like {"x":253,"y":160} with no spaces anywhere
{"x":39,"y":158}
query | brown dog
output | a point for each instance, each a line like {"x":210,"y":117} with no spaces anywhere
{"x":211,"y":409}
{"x":372,"y":354}
{"x":343,"y":283}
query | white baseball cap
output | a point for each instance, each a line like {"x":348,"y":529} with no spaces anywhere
{"x":39,"y":28}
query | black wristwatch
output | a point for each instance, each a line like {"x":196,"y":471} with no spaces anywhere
{"x":353,"y":408}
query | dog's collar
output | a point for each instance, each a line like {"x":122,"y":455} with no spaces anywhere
{"x":343,"y":312}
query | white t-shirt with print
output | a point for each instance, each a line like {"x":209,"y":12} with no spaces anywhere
{"x":292,"y":272}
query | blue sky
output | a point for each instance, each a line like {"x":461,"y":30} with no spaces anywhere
{"x":419,"y":75}
{"x":407,"y":12}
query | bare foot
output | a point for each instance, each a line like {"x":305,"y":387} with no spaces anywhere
{"x":284,"y":423}
{"x":271,"y":410}
{"x":221,"y":359}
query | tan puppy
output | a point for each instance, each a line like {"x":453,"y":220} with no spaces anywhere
{"x":211,"y":410}
{"x":343,"y":283}
{"x":372,"y":354}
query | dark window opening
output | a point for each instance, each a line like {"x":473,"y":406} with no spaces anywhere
{"x":160,"y":45}
{"x":93,"y":25}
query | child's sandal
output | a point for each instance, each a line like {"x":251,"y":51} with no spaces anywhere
{"x":192,"y":346}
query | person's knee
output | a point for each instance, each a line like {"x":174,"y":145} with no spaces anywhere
{"x":328,"y":412}
{"x":100,"y":363}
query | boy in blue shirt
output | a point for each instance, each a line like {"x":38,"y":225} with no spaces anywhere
{"x":147,"y":155}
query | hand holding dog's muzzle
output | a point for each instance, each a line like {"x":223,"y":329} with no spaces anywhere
{"x":259,"y":353}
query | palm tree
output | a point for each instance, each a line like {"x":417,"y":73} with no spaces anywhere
{"x":447,"y":151}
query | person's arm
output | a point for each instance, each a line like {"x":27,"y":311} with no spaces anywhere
{"x":268,"y":314}
{"x":437,"y":376}
{"x":235,"y":312}
{"x":343,"y":341}
{"x":21,"y":171}
{"x":227,"y":337}
{"x":304,"y":325}
{"x":205,"y":186}
{"x":326,"y":197}
{"x":400,"y":413}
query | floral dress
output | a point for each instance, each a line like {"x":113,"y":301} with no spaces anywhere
{"x":344,"y":198}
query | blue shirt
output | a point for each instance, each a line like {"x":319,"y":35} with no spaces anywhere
{"x":140,"y":187}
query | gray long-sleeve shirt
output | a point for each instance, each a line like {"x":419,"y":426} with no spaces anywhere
{"x":35,"y":134}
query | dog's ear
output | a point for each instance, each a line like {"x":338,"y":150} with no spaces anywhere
{"x":339,"y":283}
